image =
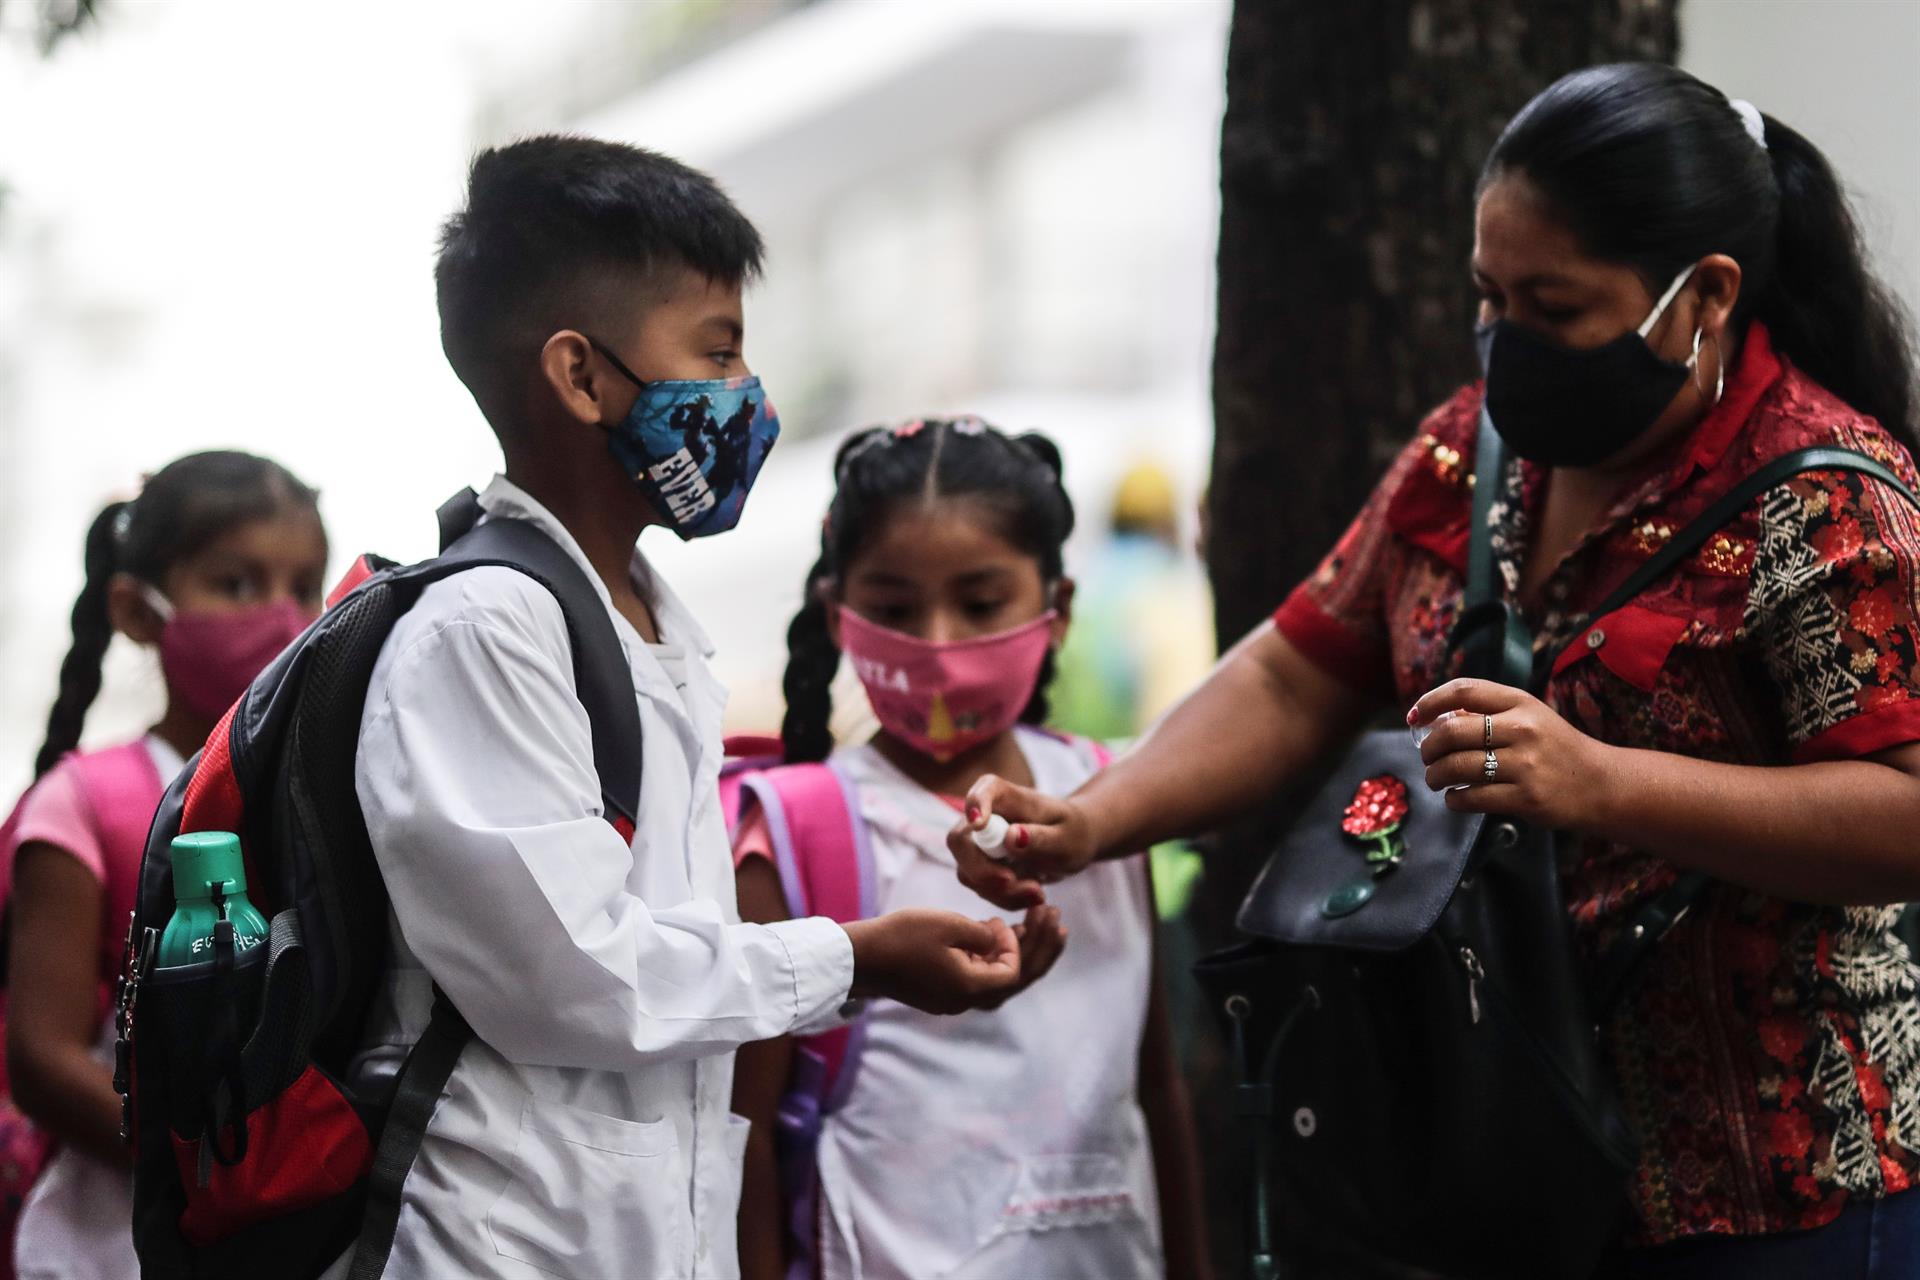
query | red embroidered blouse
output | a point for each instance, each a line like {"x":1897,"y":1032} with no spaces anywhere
{"x":1770,"y":1051}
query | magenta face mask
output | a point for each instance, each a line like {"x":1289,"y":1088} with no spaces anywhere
{"x":944,"y":699}
{"x":210,"y":658}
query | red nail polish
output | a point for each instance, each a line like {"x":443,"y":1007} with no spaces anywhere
{"x":1020,"y":838}
{"x":973,"y":813}
{"x":1413,"y":716}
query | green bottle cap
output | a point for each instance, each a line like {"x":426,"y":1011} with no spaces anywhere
{"x":201,"y":858}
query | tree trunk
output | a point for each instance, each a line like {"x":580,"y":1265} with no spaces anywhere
{"x":1353,"y":139}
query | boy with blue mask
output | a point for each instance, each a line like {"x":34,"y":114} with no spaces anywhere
{"x":590,"y":299}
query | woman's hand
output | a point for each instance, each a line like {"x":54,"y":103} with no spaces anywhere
{"x":1048,"y":840}
{"x":1549,"y":773}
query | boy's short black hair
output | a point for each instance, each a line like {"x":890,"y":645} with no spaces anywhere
{"x":556,"y":228}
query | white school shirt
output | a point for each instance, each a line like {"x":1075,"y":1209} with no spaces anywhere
{"x":585,"y":1132}
{"x":1005,"y":1143}
{"x":77,"y":1220}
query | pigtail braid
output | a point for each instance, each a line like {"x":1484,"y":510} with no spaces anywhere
{"x":92,"y":631}
{"x":812,"y":660}
{"x":1046,"y":453}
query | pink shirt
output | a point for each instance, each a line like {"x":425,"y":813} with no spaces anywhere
{"x":60,"y":811}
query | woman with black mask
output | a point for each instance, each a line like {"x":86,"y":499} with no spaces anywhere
{"x":1673,"y":296}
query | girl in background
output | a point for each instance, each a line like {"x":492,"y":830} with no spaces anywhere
{"x":1047,"y":1137}
{"x":218,"y":564}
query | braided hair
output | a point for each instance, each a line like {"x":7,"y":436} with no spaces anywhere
{"x":183,"y":507}
{"x":879,"y":471}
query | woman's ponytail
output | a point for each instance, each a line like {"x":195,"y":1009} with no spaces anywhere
{"x":92,"y":632}
{"x":1823,"y":307}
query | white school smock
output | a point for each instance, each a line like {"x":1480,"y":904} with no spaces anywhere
{"x":585,"y":1132}
{"x":1008,"y":1142}
{"x":77,"y":1220}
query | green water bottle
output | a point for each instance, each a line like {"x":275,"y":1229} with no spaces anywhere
{"x":209,"y":888}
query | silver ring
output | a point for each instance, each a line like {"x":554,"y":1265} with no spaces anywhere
{"x":1489,"y":734}
{"x":1492,"y":768}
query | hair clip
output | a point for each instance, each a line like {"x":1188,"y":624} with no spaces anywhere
{"x":970,"y":426}
{"x":1750,"y":119}
{"x":908,"y":430}
{"x":121,"y":520}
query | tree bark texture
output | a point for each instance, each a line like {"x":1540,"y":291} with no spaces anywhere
{"x":1354,"y":135}
{"x":1353,"y":139}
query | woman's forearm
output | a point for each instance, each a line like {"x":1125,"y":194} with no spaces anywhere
{"x":1839,"y":833}
{"x":1260,"y":720}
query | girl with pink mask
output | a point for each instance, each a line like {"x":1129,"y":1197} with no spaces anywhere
{"x":218,"y":564}
{"x":1047,"y":1137}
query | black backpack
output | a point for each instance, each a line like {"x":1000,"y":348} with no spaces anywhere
{"x":1421,"y":1070}
{"x":257,"y":1149}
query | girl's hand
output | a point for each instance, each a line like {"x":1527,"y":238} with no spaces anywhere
{"x":1049,"y":840}
{"x":1549,"y":773}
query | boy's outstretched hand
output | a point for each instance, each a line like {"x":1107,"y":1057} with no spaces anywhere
{"x":940,"y":962}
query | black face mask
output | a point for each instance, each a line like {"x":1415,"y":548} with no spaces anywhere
{"x":1562,"y":407}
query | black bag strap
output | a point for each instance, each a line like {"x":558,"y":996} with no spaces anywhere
{"x":416,"y":1095}
{"x":1658,"y":916}
{"x":602,"y":677}
{"x":1491,"y":638}
{"x":1489,"y":466}
{"x":1722,"y":513}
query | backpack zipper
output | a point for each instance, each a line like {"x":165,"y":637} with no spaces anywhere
{"x":1475,"y":972}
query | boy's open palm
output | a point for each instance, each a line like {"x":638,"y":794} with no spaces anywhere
{"x":1042,"y":939}
{"x":940,"y":962}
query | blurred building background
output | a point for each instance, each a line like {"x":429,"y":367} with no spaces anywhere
{"x":217,"y":223}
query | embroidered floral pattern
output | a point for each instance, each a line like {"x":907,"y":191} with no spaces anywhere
{"x":1769,"y":1052}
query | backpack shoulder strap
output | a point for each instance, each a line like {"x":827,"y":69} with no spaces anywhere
{"x":821,"y":848}
{"x":602,"y":676}
{"x":824,"y":856}
{"x":604,"y":683}
{"x":1092,"y":750}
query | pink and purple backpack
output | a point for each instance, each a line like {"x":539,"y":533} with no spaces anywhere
{"x":810,"y":807}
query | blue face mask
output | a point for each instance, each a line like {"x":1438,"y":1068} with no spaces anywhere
{"x":694,"y":446}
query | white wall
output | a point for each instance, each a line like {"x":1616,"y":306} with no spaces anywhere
{"x":1844,"y":73}
{"x":220,"y":230}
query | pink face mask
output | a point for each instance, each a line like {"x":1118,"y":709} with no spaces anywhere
{"x":944,"y":699}
{"x":210,"y":658}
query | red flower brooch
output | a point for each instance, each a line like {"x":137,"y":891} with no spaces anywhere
{"x":1374,"y":817}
